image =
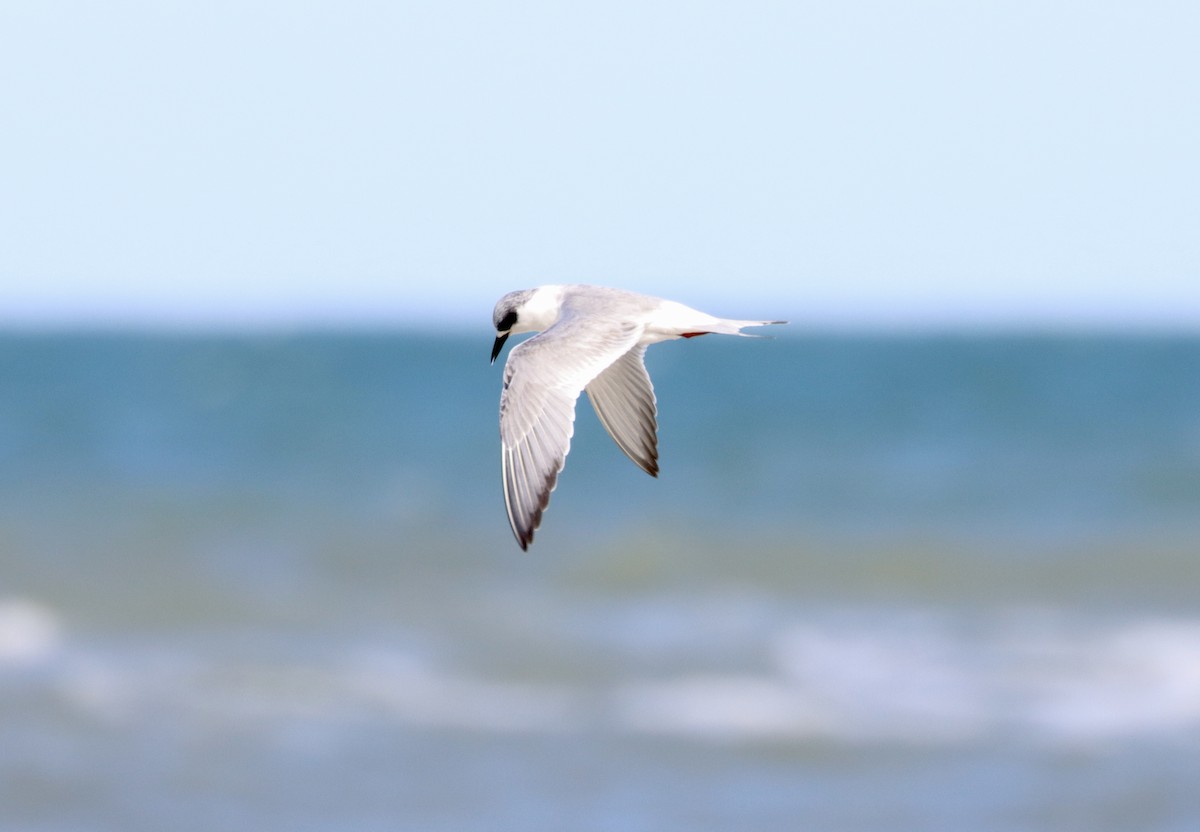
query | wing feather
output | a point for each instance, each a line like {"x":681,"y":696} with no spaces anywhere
{"x":543,"y":378}
{"x":623,"y":398}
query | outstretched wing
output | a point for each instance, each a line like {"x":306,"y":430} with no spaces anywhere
{"x":543,"y":378}
{"x":624,"y":400}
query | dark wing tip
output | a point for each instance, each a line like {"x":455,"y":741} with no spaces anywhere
{"x":523,"y":531}
{"x":647,"y":460}
{"x":524,"y":527}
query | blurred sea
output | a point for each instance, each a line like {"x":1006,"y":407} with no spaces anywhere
{"x":882,"y":583}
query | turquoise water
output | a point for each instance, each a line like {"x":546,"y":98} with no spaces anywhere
{"x":883,"y":582}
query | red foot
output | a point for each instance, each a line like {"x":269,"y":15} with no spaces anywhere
{"x":693,"y":334}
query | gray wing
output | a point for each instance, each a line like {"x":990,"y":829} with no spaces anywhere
{"x":624,"y":400}
{"x":543,"y":378}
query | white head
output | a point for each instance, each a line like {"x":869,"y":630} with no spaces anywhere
{"x":526,"y":310}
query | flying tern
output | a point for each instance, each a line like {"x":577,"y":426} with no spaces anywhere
{"x":591,"y":338}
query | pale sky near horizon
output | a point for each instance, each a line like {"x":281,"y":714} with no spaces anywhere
{"x":843,"y":162}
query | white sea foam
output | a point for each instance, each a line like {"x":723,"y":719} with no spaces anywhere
{"x":908,"y":679}
{"x":890,"y":678}
{"x":719,"y":707}
{"x":925,"y":680}
{"x":206,"y":689}
{"x":416,"y":693}
{"x":29,"y":631}
{"x":1138,"y":679}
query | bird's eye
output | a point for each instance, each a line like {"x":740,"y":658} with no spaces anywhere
{"x":506,"y":323}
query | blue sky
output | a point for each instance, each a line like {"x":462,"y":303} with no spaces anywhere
{"x":853,"y":163}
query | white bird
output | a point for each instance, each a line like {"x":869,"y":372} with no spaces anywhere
{"x":592,"y":338}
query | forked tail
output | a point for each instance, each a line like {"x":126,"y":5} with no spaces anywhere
{"x":725,"y":326}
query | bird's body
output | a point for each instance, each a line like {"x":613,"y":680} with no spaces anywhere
{"x":591,"y":338}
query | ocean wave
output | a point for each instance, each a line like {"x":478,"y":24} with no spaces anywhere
{"x":29,"y":631}
{"x":921,"y":681}
{"x":915,"y":678}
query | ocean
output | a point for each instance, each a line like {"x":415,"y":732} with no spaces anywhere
{"x":883,"y":582}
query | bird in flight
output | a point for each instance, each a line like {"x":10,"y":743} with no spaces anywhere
{"x":591,"y":338}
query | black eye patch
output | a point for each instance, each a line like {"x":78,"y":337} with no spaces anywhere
{"x":506,"y":323}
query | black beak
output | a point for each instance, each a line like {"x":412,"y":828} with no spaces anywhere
{"x":496,"y":347}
